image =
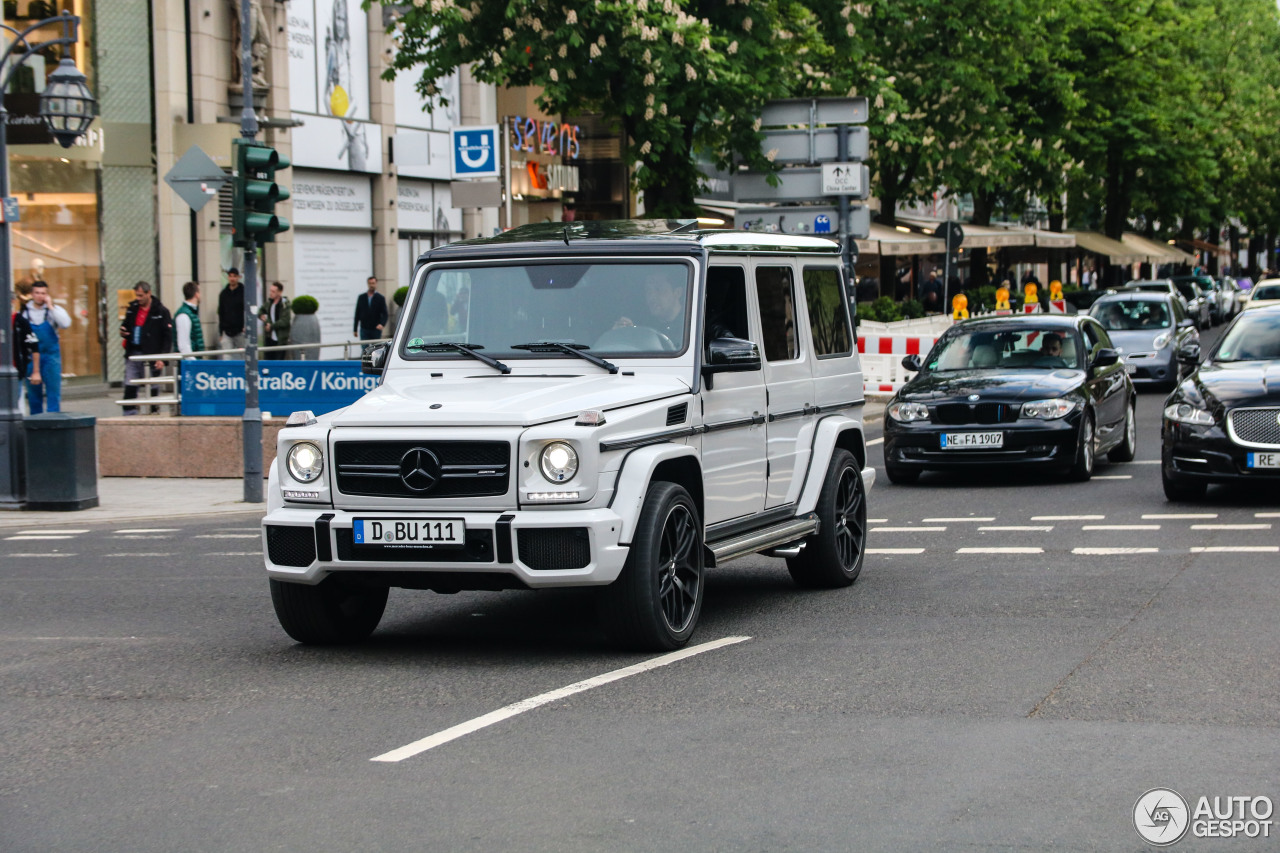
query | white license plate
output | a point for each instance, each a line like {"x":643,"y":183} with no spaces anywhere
{"x":1264,"y":460}
{"x":409,"y":532}
{"x":956,"y":440}
{"x":1130,"y":368}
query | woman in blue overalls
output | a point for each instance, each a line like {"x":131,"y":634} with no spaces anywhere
{"x":44,"y":388}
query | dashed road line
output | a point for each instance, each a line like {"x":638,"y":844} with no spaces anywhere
{"x":895,"y":550}
{"x":141,"y":554}
{"x":1235,"y":549}
{"x":234,"y":554}
{"x":228,"y":536}
{"x":1144,"y":462}
{"x":149,"y":530}
{"x":1017,"y":528}
{"x":1120,"y":527}
{"x":1266,"y":515}
{"x":1113,"y":552}
{"x":1068,"y":517}
{"x":48,"y":531}
{"x":514,"y":709}
{"x":879,"y":440}
{"x":40,"y":537}
{"x":1113,"y":476}
{"x":1173,"y":516}
{"x":908,"y":529}
{"x":877,"y":521}
{"x":29,"y":556}
{"x":999,"y":550}
{"x":1231,"y":527}
{"x":977,"y":518}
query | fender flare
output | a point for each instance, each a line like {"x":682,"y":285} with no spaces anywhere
{"x":633,"y":481}
{"x":824,"y":444}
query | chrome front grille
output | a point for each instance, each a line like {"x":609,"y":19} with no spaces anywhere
{"x":1255,"y":427}
{"x":466,"y":469}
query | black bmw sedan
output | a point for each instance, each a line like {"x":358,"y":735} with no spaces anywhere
{"x":1047,"y":391}
{"x":1222,"y":423}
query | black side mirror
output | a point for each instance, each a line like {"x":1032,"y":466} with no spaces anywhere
{"x":912,"y":363}
{"x":373,"y":360}
{"x":730,"y":355}
{"x":1105,"y":358}
{"x":1189,"y":354}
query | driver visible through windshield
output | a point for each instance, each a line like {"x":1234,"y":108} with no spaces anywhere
{"x":507,"y":310}
{"x":1032,"y":347}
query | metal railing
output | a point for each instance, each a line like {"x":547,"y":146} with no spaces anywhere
{"x":166,"y":378}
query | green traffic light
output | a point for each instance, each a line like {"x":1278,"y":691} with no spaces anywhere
{"x":254,"y":193}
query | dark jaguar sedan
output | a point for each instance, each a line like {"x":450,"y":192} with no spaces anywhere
{"x":1048,"y":391}
{"x":1222,"y":424}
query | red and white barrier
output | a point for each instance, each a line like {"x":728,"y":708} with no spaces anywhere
{"x":881,"y":356}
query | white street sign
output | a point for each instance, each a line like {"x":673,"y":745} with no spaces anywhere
{"x":845,"y":179}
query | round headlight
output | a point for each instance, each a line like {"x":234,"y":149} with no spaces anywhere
{"x":559,"y":462}
{"x":305,"y":462}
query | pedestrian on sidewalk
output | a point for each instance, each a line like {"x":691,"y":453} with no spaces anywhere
{"x":147,"y":329}
{"x":277,"y":318}
{"x":26,"y":349}
{"x":231,"y":314}
{"x":186,"y":323}
{"x":371,"y":312}
{"x":44,"y":381}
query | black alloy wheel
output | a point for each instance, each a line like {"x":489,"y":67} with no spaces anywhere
{"x":1082,"y":467}
{"x":655,"y":603}
{"x":833,"y":556}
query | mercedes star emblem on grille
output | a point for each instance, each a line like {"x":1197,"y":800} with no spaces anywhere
{"x":419,"y":469}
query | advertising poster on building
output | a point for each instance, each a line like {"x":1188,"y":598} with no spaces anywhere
{"x":332,"y":266}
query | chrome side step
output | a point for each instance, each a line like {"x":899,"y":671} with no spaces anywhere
{"x":774,"y":535}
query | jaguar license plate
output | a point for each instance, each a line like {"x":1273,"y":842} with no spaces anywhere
{"x":1264,"y":460}
{"x":961,"y":440}
{"x":409,"y":532}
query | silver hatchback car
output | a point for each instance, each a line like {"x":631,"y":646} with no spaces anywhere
{"x":1148,"y":328}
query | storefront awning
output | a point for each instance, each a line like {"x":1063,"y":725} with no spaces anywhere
{"x":1115,"y":251}
{"x":888,"y":240}
{"x":1156,"y":252}
{"x":980,"y":236}
{"x":1202,"y":246}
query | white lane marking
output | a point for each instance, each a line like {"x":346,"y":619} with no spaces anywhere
{"x":140,"y":554}
{"x":895,"y":550}
{"x":1179,"y":515}
{"x":1113,"y":476}
{"x":908,"y":529}
{"x":879,"y":440}
{"x":234,"y":554}
{"x":35,"y":538}
{"x":1235,"y":549}
{"x":1014,"y":528}
{"x":1145,"y":462}
{"x":506,"y":713}
{"x":1266,"y":515}
{"x":46,"y":530}
{"x":27,"y":556}
{"x":228,"y":536}
{"x":257,"y":529}
{"x":999,"y":550}
{"x":877,"y":521}
{"x":149,"y":530}
{"x":978,"y":518}
{"x":1231,"y":527}
{"x":1111,"y":552}
{"x":1068,"y":517}
{"x":1120,"y":527}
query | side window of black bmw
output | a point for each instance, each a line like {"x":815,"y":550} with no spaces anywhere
{"x":1093,"y":337}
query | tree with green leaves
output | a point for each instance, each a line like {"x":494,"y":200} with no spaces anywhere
{"x":674,"y":77}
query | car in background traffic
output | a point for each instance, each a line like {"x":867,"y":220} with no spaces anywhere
{"x":1222,"y":423}
{"x":1040,"y":391}
{"x":1263,"y":294}
{"x":1233,"y":296}
{"x":1208,"y":291}
{"x":1164,"y":285}
{"x":1148,"y":329}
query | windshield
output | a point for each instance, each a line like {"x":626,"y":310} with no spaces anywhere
{"x":1132,"y":315}
{"x":1187,"y":291}
{"x":1270,"y":291}
{"x":1005,"y":348}
{"x":608,"y":309}
{"x":1256,"y":335}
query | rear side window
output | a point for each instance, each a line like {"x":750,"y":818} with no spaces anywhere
{"x":776,"y":292}
{"x":828,"y":311}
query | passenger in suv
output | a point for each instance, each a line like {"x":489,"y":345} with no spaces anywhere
{"x":531,"y":439}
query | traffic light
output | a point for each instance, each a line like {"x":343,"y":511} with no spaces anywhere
{"x":254,"y":193}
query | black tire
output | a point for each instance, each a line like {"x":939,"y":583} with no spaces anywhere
{"x":1128,"y":446}
{"x":901,"y":476}
{"x":1082,"y":465}
{"x":1181,"y":491}
{"x":833,"y":556}
{"x":332,"y":612}
{"x":655,"y":603}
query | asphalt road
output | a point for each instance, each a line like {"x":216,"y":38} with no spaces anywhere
{"x":1019,"y":661}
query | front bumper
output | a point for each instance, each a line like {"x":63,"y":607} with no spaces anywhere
{"x":503,"y":550}
{"x":1158,"y":369}
{"x":1026,"y":442}
{"x":1206,"y":454}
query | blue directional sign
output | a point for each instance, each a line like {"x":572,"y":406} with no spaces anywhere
{"x":475,"y":152}
{"x":217,"y":387}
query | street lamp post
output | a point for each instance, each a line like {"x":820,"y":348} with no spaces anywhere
{"x":67,"y":107}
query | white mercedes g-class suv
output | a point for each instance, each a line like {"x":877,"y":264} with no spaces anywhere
{"x":621,"y":405}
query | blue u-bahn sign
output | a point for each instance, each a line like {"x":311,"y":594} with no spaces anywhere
{"x":217,"y":387}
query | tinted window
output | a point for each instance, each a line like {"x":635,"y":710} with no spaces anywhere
{"x":1130,"y":315}
{"x":776,"y":292}
{"x":828,"y":311}
{"x":726,"y":303}
{"x":1271,"y":291}
{"x":1256,"y":335}
{"x":1005,"y":348}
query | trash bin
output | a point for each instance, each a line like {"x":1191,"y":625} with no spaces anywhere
{"x":62,"y":461}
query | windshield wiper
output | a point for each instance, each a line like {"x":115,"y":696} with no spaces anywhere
{"x":570,"y":349}
{"x":465,"y":349}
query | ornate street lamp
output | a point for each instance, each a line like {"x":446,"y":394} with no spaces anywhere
{"x":67,"y":107}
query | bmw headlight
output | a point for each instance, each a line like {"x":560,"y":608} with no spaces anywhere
{"x":305,"y":462}
{"x":1048,"y":410}
{"x":909,"y":412}
{"x":1185,"y":413}
{"x":1162,"y":340}
{"x":559,"y":462}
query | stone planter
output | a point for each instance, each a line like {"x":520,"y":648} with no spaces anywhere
{"x":305,"y":330}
